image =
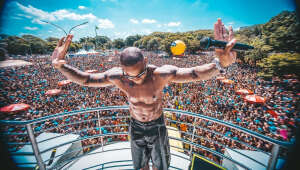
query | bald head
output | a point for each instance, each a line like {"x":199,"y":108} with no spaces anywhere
{"x":130,"y":56}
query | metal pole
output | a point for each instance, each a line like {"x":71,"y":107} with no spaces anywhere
{"x":35,"y":148}
{"x":95,"y":39}
{"x":99,"y":124}
{"x":194,"y":130}
{"x":273,"y":158}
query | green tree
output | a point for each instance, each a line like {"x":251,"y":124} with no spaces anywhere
{"x":280,"y":64}
{"x":17,"y":45}
{"x":118,"y":43}
{"x":260,"y":51}
{"x":153,"y":44}
{"x":130,"y":40}
{"x":283,"y":32}
{"x":37,"y":45}
{"x":100,"y":41}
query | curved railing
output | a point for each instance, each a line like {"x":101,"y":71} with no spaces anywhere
{"x":17,"y":138}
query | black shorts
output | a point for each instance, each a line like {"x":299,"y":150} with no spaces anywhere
{"x":149,"y":140}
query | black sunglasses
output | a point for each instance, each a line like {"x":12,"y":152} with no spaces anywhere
{"x":134,"y":77}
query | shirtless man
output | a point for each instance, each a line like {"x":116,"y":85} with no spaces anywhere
{"x":143,"y":85}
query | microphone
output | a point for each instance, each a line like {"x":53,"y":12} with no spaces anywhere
{"x":207,"y":42}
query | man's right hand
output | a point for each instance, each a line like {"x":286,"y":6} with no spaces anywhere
{"x":58,"y":55}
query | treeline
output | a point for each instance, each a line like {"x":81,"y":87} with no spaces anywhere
{"x":29,"y":44}
{"x":277,"y":44}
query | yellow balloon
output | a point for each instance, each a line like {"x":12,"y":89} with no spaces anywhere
{"x":178,"y":47}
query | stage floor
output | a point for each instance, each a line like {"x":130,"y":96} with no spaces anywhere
{"x":119,"y":155}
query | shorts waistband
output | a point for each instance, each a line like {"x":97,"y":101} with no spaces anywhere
{"x":157,"y":121}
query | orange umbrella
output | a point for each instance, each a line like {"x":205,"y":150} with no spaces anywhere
{"x":91,"y":71}
{"x":64,"y":82}
{"x":255,"y":99}
{"x":244,"y":91}
{"x":227,"y":81}
{"x":220,"y":78}
{"x":15,"y":107}
{"x":53,"y":92}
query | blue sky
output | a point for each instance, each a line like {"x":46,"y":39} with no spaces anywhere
{"x":121,"y":18}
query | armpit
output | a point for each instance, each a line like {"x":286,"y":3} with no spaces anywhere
{"x":193,"y":74}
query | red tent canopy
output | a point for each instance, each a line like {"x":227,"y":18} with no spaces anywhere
{"x":243,"y":91}
{"x":91,"y":71}
{"x":227,"y":81}
{"x":15,"y":107}
{"x":53,"y":92}
{"x":220,"y":78}
{"x":64,"y":82}
{"x":255,"y":99}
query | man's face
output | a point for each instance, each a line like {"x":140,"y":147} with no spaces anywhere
{"x":135,"y":73}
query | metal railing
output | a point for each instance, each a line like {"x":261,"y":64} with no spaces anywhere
{"x":18,"y":137}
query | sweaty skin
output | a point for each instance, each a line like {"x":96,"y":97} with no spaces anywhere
{"x":144,"y":93}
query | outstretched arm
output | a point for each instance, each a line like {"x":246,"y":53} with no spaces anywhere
{"x":89,"y":79}
{"x":206,"y":71}
{"x":75,"y":75}
{"x":183,"y":75}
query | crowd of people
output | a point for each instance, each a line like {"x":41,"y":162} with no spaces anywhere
{"x":28,"y":84}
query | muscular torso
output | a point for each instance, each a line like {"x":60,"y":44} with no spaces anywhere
{"x":145,"y":99}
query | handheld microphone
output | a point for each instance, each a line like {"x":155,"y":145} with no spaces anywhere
{"x":207,"y":42}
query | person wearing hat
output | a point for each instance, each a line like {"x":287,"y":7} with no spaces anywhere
{"x":143,"y":84}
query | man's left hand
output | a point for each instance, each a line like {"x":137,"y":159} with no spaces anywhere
{"x":227,"y":57}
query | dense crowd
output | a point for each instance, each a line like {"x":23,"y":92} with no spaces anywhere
{"x":28,"y":84}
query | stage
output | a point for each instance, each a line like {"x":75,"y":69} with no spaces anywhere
{"x":116,"y":152}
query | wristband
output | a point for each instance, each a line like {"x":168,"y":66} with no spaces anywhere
{"x":218,"y":65}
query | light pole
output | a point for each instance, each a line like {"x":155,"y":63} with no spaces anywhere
{"x":96,"y":37}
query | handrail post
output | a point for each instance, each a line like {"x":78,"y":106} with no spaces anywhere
{"x":194,"y":130}
{"x":273,"y":158}
{"x":35,"y":147}
{"x":99,"y":124}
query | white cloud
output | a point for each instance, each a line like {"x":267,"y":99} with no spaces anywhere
{"x":53,"y":16}
{"x":31,"y":28}
{"x":148,"y":21}
{"x":81,"y":7}
{"x":22,"y":15}
{"x":230,"y":23}
{"x":159,"y":25}
{"x":105,"y":23}
{"x":61,"y":14}
{"x":37,"y":21}
{"x":65,"y":14}
{"x":134,"y":21}
{"x":173,"y":24}
{"x":36,"y":12}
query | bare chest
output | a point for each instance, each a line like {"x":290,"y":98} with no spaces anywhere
{"x":148,"y":92}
